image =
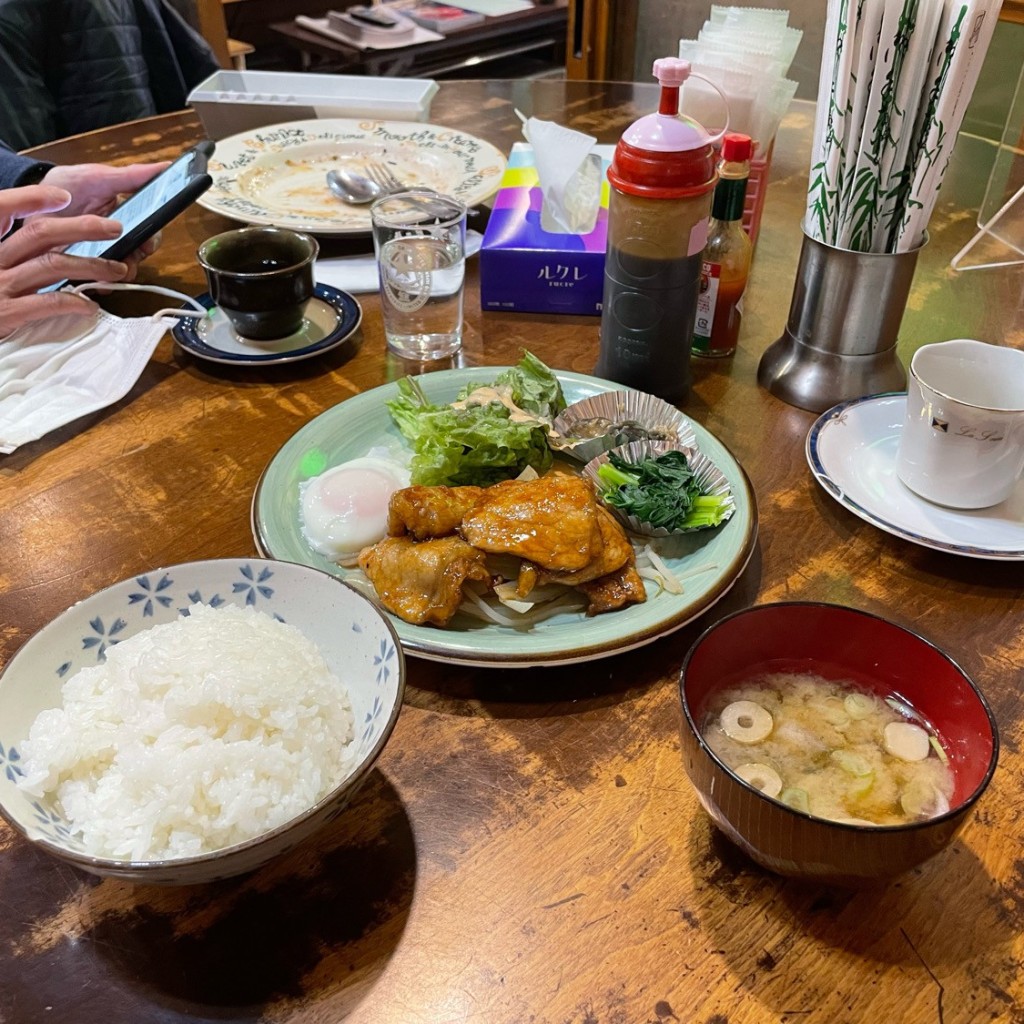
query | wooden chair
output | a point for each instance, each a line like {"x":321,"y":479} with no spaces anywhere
{"x":230,"y":53}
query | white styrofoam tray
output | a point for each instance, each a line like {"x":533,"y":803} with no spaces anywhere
{"x":229,"y":102}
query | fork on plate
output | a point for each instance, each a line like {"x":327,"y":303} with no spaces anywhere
{"x":384,"y":177}
{"x":389,"y":184}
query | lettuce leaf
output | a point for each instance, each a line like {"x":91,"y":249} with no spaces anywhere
{"x":531,"y":385}
{"x":480,"y":444}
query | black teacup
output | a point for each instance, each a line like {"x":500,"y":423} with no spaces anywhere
{"x":261,"y":277}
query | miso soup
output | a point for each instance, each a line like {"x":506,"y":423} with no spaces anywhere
{"x":830,"y":749}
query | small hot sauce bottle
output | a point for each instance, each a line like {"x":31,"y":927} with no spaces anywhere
{"x":726,"y":254}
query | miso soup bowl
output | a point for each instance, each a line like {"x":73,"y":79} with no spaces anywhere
{"x":838,"y":644}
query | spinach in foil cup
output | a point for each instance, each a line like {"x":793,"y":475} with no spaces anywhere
{"x":658,"y":489}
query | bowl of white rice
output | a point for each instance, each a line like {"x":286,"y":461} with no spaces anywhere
{"x":194,"y":722}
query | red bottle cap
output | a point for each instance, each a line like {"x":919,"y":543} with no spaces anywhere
{"x":736,"y":148}
{"x":665,"y":155}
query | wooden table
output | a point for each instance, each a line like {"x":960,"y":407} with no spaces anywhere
{"x":1012,"y":10}
{"x":529,"y":848}
{"x":542,"y":28}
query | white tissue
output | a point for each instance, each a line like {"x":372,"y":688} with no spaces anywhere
{"x":56,"y":370}
{"x":358,"y":274}
{"x":570,"y":176}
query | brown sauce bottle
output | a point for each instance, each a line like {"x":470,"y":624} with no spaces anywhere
{"x":663,"y":177}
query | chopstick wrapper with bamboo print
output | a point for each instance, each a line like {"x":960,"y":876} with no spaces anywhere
{"x":895,"y":81}
{"x":964,"y":34}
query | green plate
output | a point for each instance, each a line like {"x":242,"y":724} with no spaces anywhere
{"x":352,"y":428}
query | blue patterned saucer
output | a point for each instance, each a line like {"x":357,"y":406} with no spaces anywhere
{"x":851,"y":449}
{"x":332,"y":316}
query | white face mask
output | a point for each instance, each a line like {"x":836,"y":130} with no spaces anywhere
{"x":54,"y":371}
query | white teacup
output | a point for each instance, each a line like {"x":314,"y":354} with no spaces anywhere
{"x":963,"y":438}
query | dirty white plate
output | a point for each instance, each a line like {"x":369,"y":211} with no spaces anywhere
{"x":278,"y":175}
{"x":851,"y":450}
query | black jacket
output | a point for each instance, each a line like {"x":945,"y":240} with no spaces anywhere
{"x":69,"y":66}
{"x":19,"y":170}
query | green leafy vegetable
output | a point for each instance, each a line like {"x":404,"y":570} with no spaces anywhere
{"x":531,"y":386}
{"x":661,"y":491}
{"x":485,"y":435}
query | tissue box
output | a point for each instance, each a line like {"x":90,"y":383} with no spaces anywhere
{"x":524,"y":268}
{"x":229,"y":102}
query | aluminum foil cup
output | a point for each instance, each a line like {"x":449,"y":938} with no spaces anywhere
{"x":626,"y":413}
{"x":709,"y":477}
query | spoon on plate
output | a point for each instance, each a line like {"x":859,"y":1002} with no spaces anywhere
{"x":359,"y":189}
{"x":351,"y":187}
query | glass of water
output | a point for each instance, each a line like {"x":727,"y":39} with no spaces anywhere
{"x":420,"y":241}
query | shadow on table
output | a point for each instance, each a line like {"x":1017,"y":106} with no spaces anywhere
{"x":925,"y":567}
{"x":318,"y":925}
{"x":944,"y":918}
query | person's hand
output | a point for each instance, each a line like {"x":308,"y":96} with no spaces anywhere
{"x":96,"y":188}
{"x":30,"y":258}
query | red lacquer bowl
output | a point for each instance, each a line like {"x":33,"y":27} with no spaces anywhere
{"x":840,"y":644}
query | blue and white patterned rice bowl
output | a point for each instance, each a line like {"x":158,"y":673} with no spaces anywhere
{"x":355,"y":638}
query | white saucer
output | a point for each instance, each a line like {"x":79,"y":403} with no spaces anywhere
{"x":331,"y":317}
{"x":851,"y":450}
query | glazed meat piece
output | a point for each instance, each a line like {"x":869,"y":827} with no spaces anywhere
{"x":430,"y":511}
{"x":527,"y":579}
{"x":613,"y":552}
{"x":552,"y":522}
{"x":421,"y":581}
{"x":616,"y":590}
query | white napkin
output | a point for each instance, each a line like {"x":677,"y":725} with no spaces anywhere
{"x":56,"y":370}
{"x":569,"y":174}
{"x":355,"y":274}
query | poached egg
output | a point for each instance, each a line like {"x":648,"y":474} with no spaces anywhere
{"x":345,"y":508}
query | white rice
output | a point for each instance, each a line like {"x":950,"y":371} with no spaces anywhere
{"x":192,"y":736}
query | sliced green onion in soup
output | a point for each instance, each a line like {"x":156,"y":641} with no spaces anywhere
{"x":922,"y":800}
{"x":861,"y":786}
{"x":835,"y":713}
{"x":796,"y":798}
{"x":853,"y":764}
{"x":858,"y":705}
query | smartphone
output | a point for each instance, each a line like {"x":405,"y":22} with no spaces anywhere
{"x":156,"y":204}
